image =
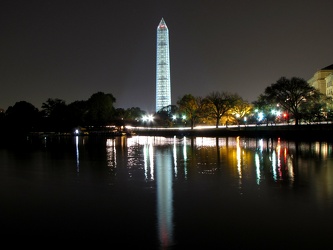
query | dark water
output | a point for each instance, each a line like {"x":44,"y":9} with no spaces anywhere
{"x":167,"y":193}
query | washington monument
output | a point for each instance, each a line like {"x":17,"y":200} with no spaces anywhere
{"x":163,"y":85}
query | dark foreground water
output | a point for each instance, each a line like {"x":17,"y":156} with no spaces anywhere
{"x":166,"y":193}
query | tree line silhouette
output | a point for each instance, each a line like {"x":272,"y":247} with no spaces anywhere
{"x":56,"y":116}
{"x":295,"y":97}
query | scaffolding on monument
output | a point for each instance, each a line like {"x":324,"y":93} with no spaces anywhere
{"x":163,"y":83}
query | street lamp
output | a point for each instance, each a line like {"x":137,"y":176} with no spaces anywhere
{"x":237,"y":118}
{"x":174,"y":119}
{"x":148,"y":118}
{"x":260,"y":117}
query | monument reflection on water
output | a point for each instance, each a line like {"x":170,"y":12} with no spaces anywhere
{"x":163,"y":192}
{"x":165,"y":160}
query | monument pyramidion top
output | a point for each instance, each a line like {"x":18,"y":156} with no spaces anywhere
{"x":162,"y":25}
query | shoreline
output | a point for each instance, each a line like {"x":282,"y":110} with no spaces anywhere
{"x":308,"y":132}
{"x":304,"y":132}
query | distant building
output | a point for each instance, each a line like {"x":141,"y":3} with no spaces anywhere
{"x":323,"y":80}
{"x":163,"y":83}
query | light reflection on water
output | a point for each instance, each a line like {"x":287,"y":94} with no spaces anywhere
{"x":168,"y":166}
{"x":273,"y":160}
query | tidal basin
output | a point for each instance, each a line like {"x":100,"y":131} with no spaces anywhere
{"x":154,"y":192}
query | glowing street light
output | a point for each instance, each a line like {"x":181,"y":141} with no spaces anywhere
{"x":148,"y":118}
{"x":260,"y":116}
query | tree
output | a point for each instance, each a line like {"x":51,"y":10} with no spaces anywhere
{"x":129,"y":116}
{"x":164,"y":117}
{"x":329,"y":109}
{"x":240,"y":110}
{"x":316,"y":111}
{"x":100,"y":109}
{"x":263,"y":109}
{"x":192,"y":107}
{"x":134,"y":113}
{"x":293,"y":95}
{"x":2,"y":120}
{"x":54,"y":114}
{"x":76,"y":112}
{"x":23,"y":117}
{"x":218,"y":104}
{"x":53,"y":107}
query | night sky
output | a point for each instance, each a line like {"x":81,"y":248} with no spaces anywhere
{"x":73,"y":49}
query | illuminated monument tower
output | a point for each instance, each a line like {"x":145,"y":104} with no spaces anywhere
{"x":163,"y":88}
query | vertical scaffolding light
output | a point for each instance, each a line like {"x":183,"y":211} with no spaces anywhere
{"x":163,"y":86}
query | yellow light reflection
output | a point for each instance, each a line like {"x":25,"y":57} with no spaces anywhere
{"x":238,"y":157}
{"x":321,"y":149}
